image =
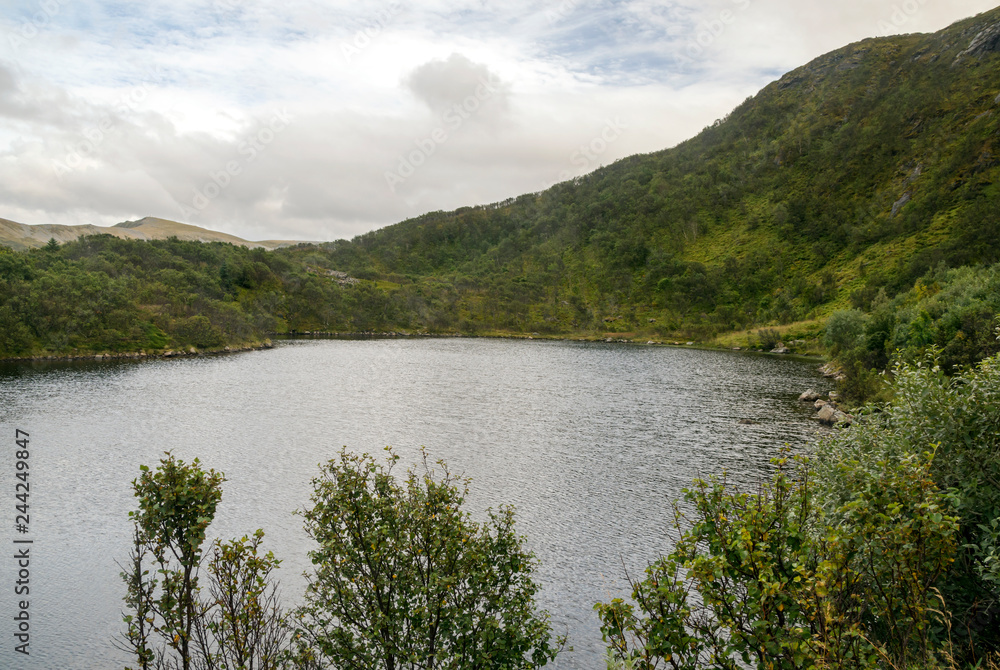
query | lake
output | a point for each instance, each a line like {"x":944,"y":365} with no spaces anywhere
{"x":591,"y":443}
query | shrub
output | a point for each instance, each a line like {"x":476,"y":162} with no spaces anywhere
{"x":772,"y":580}
{"x":404,"y":578}
{"x":168,"y":623}
{"x":844,"y":330}
{"x":958,"y":417}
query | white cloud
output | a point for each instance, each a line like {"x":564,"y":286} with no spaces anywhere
{"x":112,"y":110}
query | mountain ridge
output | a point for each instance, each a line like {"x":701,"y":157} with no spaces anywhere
{"x":22,"y":236}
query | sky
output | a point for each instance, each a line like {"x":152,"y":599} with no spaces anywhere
{"x":311,"y":120}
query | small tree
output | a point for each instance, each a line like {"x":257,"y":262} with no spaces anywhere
{"x":168,"y":624}
{"x":177,"y":502}
{"x":404,"y":578}
{"x":241,"y":625}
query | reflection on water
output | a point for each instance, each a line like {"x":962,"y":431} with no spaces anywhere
{"x":590,"y":442}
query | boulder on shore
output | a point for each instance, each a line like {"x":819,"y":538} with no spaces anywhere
{"x":831,"y":416}
{"x":810,"y":396}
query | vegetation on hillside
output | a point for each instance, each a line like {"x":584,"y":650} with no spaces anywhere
{"x":103,"y":294}
{"x":950,"y":315}
{"x":852,"y":175}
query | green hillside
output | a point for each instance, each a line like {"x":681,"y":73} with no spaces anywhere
{"x":838,"y":186}
{"x":859,"y":171}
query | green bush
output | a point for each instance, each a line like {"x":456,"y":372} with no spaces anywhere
{"x":844,"y":330}
{"x":405,"y":579}
{"x":959,"y":418}
{"x":882,"y":549}
{"x":773,"y":579}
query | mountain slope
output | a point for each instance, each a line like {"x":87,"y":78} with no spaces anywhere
{"x":20,"y":236}
{"x":855,"y":173}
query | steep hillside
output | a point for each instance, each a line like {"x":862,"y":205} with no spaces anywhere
{"x":20,"y":236}
{"x":857,"y":172}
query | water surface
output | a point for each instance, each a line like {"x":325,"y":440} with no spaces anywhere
{"x":590,"y":442}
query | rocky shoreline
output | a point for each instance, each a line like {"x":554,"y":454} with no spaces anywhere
{"x":142,"y":355}
{"x":827,"y":411}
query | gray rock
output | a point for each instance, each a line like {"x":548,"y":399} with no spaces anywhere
{"x":899,"y":204}
{"x":827,"y":415}
{"x":831,"y":416}
{"x":781,"y":350}
{"x":985,"y":42}
{"x":810,"y":396}
{"x":820,"y":404}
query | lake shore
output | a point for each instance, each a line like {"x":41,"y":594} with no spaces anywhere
{"x":720,"y":343}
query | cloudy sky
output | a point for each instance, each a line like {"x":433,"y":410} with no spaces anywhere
{"x":316,"y":120}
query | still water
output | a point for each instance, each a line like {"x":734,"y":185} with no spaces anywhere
{"x":590,"y":443}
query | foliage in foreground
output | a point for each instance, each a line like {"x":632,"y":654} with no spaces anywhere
{"x":958,"y":416}
{"x":777,"y":587}
{"x":880,"y":551}
{"x":405,"y":579}
{"x":170,"y":624}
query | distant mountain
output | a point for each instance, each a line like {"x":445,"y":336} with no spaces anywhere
{"x":20,"y":236}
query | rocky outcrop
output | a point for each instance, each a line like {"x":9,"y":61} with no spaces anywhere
{"x":902,"y":202}
{"x":831,"y":371}
{"x":985,"y":42}
{"x":827,"y":411}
